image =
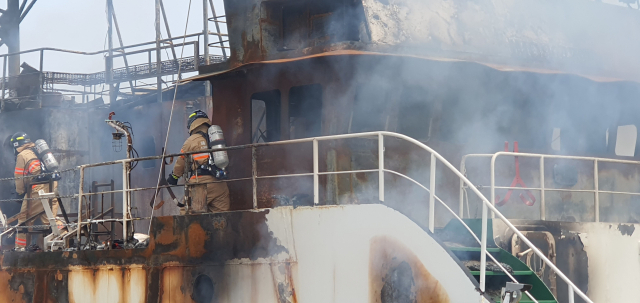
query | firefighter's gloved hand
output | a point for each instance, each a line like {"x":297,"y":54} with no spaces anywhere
{"x":172,"y":179}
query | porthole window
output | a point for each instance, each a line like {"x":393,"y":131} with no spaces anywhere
{"x":202,"y":289}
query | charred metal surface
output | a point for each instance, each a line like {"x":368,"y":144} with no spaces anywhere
{"x":207,"y":242}
{"x":397,"y":275}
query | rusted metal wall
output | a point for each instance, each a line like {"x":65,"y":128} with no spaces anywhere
{"x":320,"y":254}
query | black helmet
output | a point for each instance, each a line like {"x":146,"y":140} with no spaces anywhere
{"x":198,"y":114}
{"x":19,"y":139}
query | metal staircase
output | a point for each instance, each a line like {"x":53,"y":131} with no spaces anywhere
{"x":503,"y":267}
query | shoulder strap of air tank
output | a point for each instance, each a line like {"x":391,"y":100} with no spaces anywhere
{"x":205,"y":136}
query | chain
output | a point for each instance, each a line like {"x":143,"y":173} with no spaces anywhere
{"x":45,"y":174}
{"x":74,"y":196}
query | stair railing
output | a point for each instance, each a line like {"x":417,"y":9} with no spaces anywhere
{"x":434,"y":158}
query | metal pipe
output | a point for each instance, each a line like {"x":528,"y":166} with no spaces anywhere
{"x":125,"y":202}
{"x":205,"y":31}
{"x":461,"y":200}
{"x":432,"y":192}
{"x":12,"y":37}
{"x":109,"y":60}
{"x":254,"y":175}
{"x":596,"y":186}
{"x":4,"y":80}
{"x":381,"y":167}
{"x":316,"y":186}
{"x":158,"y":54}
{"x":80,"y":194}
{"x":166,"y":26}
{"x":571,"y":295}
{"x":483,"y":249}
{"x":543,"y":207}
{"x":124,"y":55}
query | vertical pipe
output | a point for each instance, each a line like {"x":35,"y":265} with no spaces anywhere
{"x":543,"y":206}
{"x":158,"y":53}
{"x":432,"y":194}
{"x":461,"y":202}
{"x":483,"y":247}
{"x":109,"y":63}
{"x":381,"y":167}
{"x":254,"y":175}
{"x":493,"y":182}
{"x":596,"y":187}
{"x":41,"y":76}
{"x":205,"y":31}
{"x":4,"y":79}
{"x":205,"y":37}
{"x":316,"y":186}
{"x":12,"y":38}
{"x":571,"y":295}
{"x":80,"y":194}
{"x":125,"y":202}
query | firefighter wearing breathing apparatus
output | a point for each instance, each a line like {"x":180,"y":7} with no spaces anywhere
{"x":29,"y":162}
{"x":203,"y":168}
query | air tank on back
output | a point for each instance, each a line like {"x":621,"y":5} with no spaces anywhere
{"x":216,"y":140}
{"x":45,"y":154}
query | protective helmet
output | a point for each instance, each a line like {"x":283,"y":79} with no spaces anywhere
{"x":19,"y":139}
{"x":196,"y":119}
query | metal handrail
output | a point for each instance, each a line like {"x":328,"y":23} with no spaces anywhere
{"x":487,"y":205}
{"x":596,"y":188}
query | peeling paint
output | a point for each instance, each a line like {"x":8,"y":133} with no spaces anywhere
{"x":626,"y":230}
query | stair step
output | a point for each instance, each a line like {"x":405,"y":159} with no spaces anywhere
{"x":499,"y":273}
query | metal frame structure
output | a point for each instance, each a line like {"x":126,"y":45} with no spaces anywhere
{"x":128,"y":73}
{"x":542,"y":189}
{"x":381,"y":170}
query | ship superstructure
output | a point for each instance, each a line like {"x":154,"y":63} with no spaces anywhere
{"x":368,"y":160}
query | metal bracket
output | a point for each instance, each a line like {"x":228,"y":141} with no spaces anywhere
{"x":44,"y":198}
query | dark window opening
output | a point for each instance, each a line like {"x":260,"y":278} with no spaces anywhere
{"x":147,"y":149}
{"x":370,"y":111}
{"x":415,"y":114}
{"x":312,"y":23}
{"x":305,"y":111}
{"x":265,"y":116}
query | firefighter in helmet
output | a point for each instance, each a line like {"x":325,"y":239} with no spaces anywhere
{"x":28,"y":164}
{"x":207,"y":197}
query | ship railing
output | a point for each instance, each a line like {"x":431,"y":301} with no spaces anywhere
{"x":434,"y":160}
{"x":596,"y":191}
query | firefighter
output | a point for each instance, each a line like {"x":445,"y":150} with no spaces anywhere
{"x":28,"y":164}
{"x":209,"y":197}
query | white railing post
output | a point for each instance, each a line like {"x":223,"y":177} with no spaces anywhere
{"x":461,"y":202}
{"x":316,"y":188}
{"x":125,"y":200}
{"x":432,"y":193}
{"x":381,"y":167}
{"x":543,"y":206}
{"x":80,"y":195}
{"x":493,"y":182}
{"x":596,"y":193}
{"x":571,"y":295}
{"x":483,"y":248}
